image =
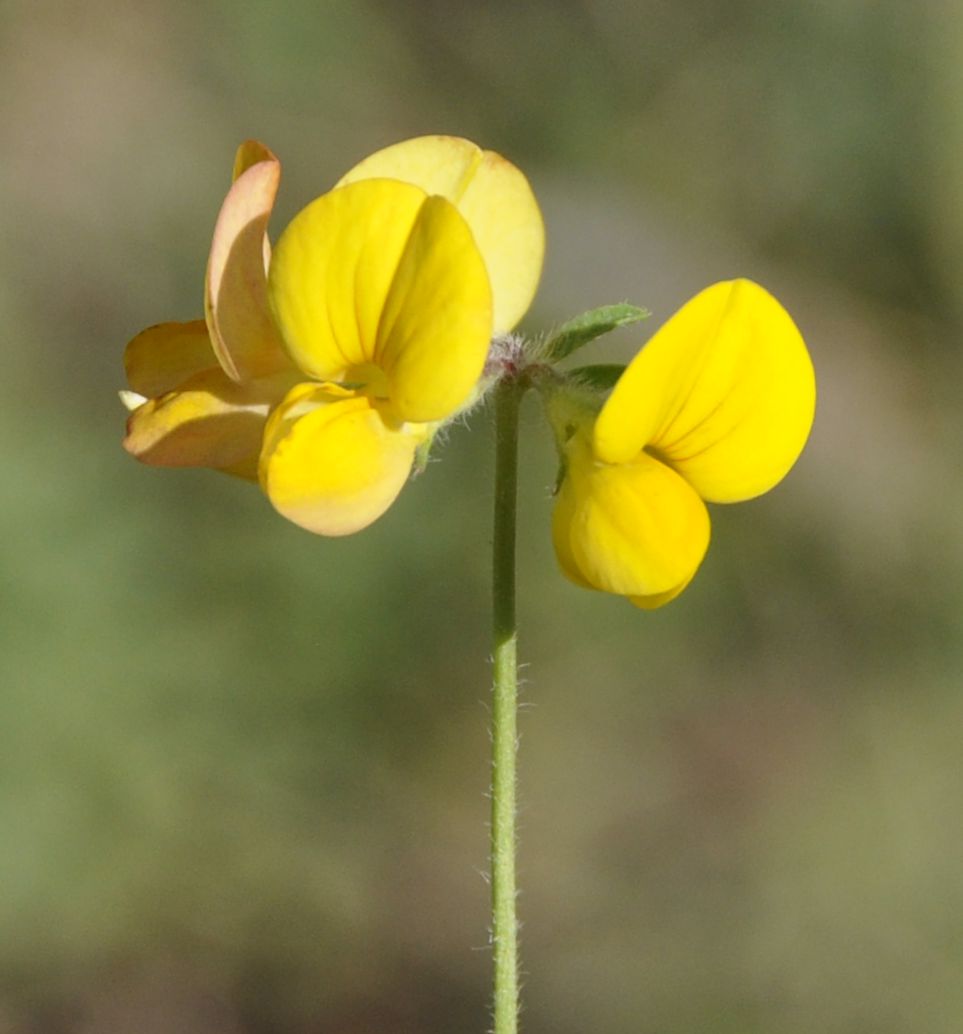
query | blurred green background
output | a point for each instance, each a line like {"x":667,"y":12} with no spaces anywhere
{"x":243,"y":769}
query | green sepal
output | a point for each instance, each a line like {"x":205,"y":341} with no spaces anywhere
{"x":590,"y":325}
{"x":422,"y":455}
{"x":597,"y":378}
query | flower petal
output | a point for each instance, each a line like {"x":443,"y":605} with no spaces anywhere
{"x":161,"y":357}
{"x":210,"y":421}
{"x":332,"y":270}
{"x":636,"y":529}
{"x":250,"y":153}
{"x":493,"y":196}
{"x":376,"y":274}
{"x":724,"y":392}
{"x":243,"y":335}
{"x":660,"y":599}
{"x":330,"y":463}
{"x":563,"y":517}
{"x":436,"y":326}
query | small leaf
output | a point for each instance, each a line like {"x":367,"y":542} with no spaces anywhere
{"x":599,"y":378}
{"x":590,"y":325}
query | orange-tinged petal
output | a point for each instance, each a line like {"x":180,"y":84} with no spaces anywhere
{"x":376,"y":278}
{"x":330,"y":463}
{"x":493,"y":196}
{"x":161,"y":357}
{"x":249,"y":153}
{"x":243,"y":334}
{"x":635,"y":529}
{"x":210,"y":421}
{"x":724,"y":393}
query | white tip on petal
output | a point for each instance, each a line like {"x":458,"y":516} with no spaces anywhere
{"x":131,"y":399}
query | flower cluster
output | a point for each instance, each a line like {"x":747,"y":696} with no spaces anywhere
{"x":323,"y":368}
{"x":716,"y":407}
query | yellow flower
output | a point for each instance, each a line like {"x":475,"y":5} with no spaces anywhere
{"x":370,"y":328}
{"x":387,"y":292}
{"x":716,"y":407}
{"x":200,"y":392}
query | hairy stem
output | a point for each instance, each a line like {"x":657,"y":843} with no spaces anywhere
{"x":504,"y":710}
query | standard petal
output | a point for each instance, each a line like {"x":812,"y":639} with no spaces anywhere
{"x":724,"y":392}
{"x":161,"y":357}
{"x":636,"y":529}
{"x":210,"y":421}
{"x":493,"y":196}
{"x":243,"y":334}
{"x":436,"y":325}
{"x":330,"y":463}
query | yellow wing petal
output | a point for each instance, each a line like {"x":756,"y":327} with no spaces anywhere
{"x":243,"y":334}
{"x":724,"y":393}
{"x":378,"y":275}
{"x":332,"y":270}
{"x":493,"y":196}
{"x":330,"y":463}
{"x":636,"y":529}
{"x":565,"y":517}
{"x":436,"y":325}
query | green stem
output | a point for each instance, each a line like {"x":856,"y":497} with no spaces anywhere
{"x":504,"y":707}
